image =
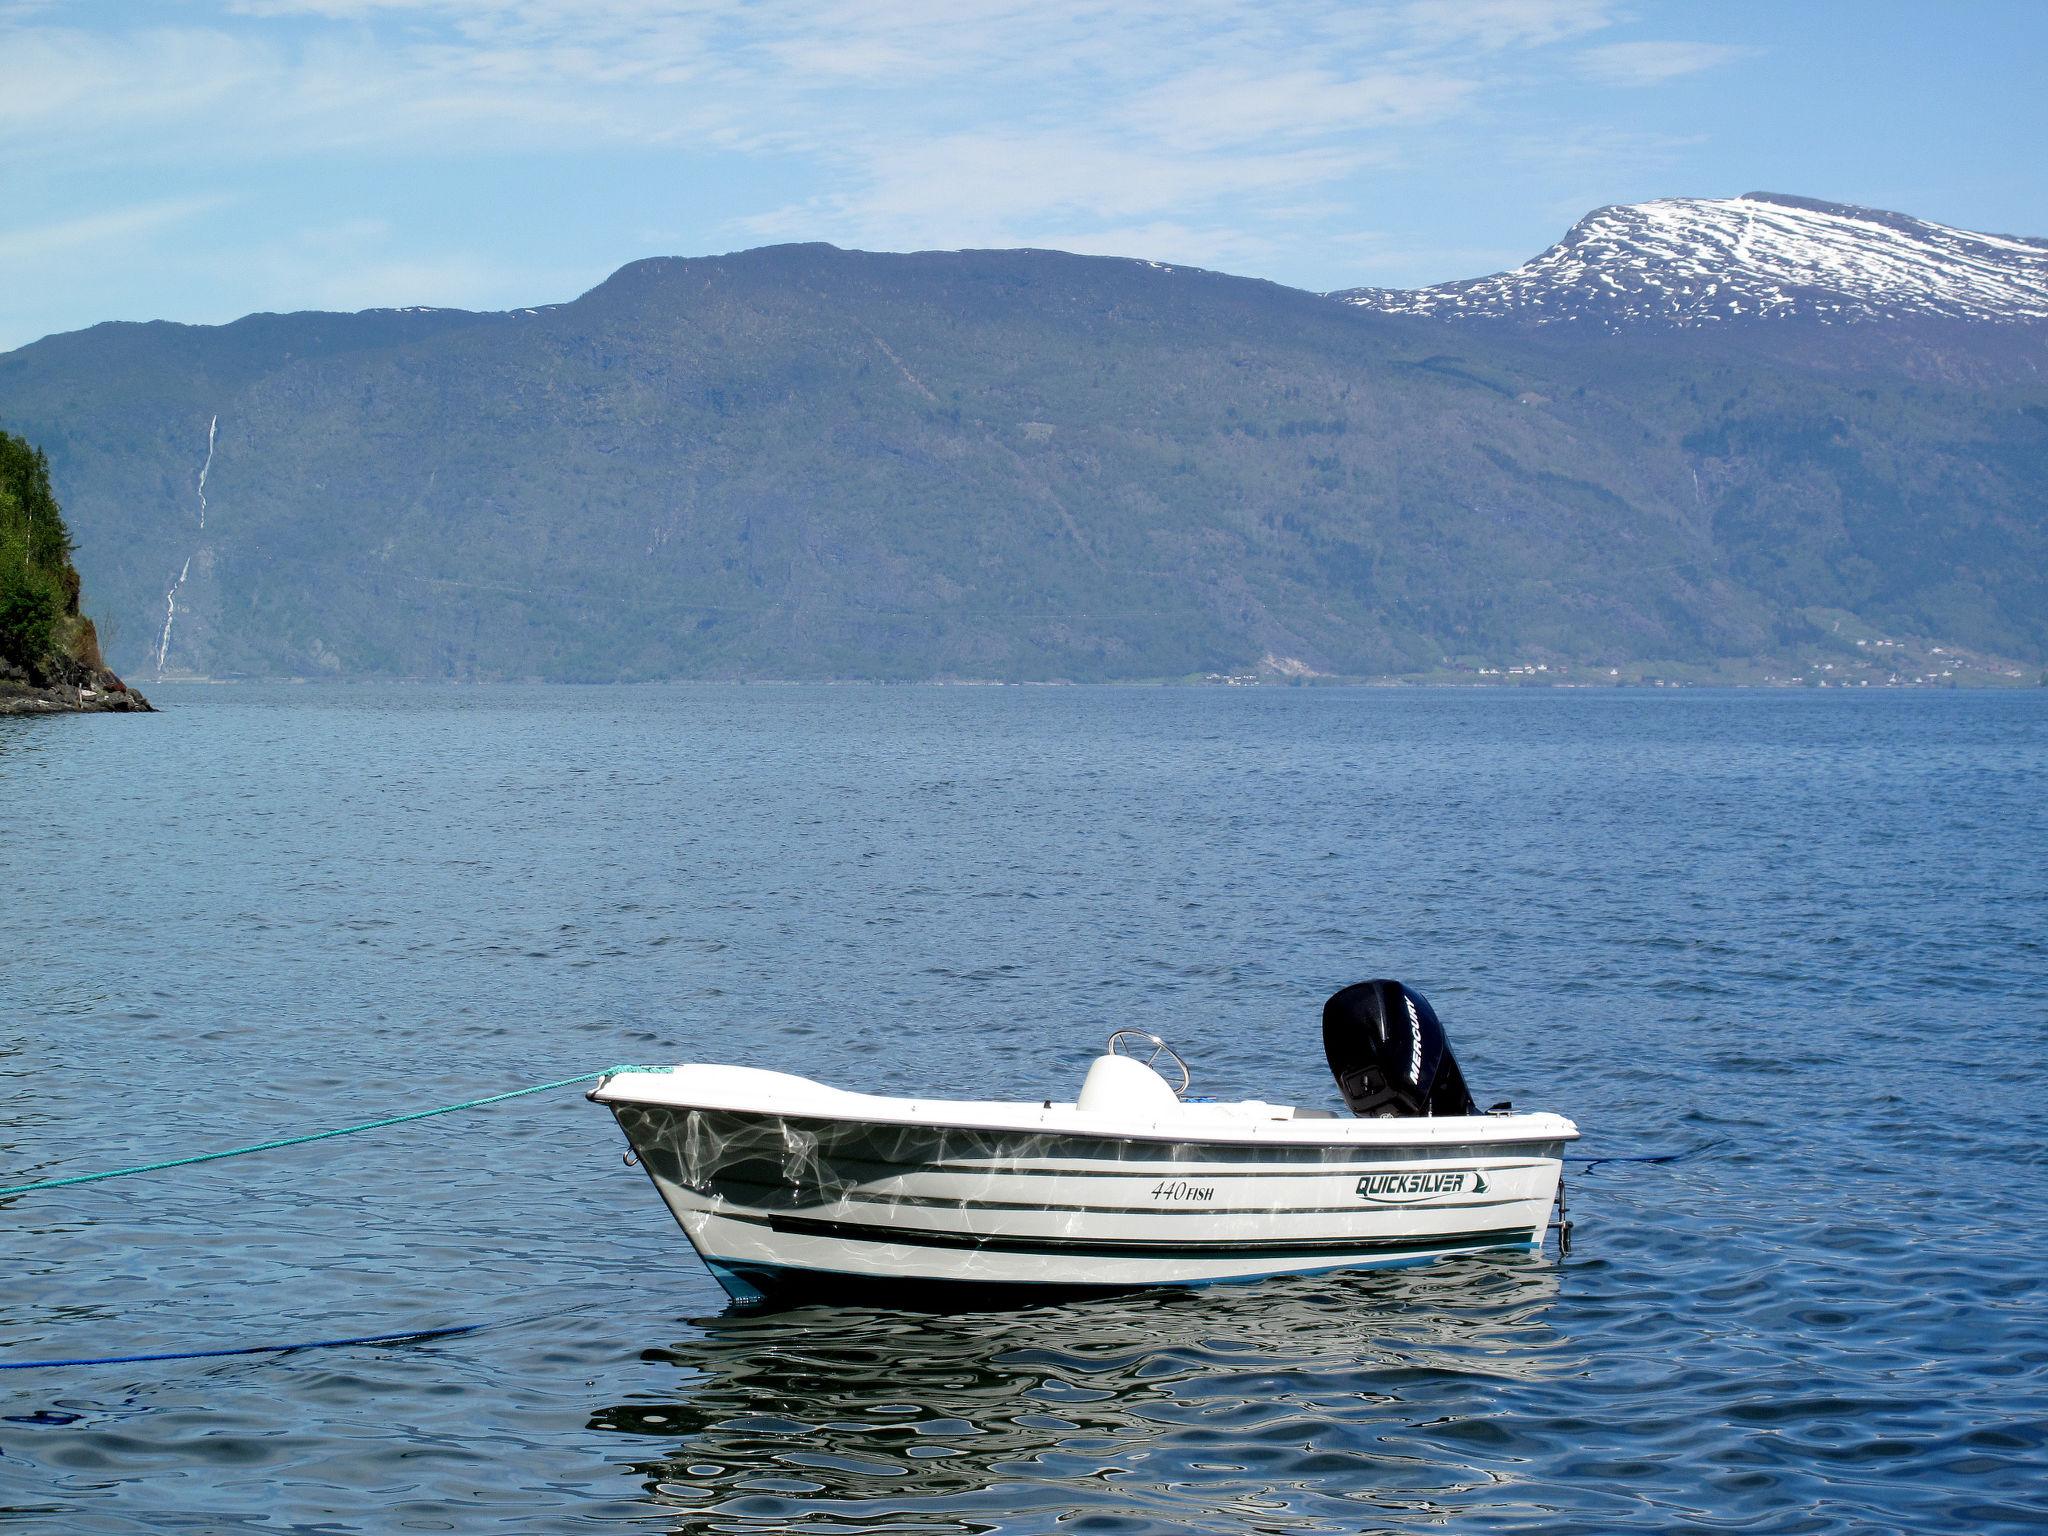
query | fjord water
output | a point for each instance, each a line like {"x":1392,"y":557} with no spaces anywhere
{"x":1808,"y":932}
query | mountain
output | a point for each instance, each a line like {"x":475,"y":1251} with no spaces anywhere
{"x":807,"y":462}
{"x":1707,"y":261}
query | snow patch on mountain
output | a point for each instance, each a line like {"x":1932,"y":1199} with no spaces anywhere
{"x":1708,"y":261}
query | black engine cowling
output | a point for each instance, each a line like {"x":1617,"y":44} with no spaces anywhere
{"x":1389,"y":1053}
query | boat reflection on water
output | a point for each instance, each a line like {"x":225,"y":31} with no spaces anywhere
{"x":1312,"y":1403}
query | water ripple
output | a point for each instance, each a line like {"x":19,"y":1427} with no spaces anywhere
{"x":1806,"y":930}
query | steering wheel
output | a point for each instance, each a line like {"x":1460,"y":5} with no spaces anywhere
{"x":1159,"y":1048}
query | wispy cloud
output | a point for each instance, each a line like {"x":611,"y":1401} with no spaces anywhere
{"x":293,"y":76}
{"x":26,"y":245}
{"x":353,"y":264}
{"x":1500,"y":24}
{"x":1640,"y":64}
{"x":1218,"y":108}
{"x":1199,"y":131}
{"x":1603,"y":150}
{"x":988,"y":184}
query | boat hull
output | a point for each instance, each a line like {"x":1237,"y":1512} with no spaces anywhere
{"x":779,"y":1204}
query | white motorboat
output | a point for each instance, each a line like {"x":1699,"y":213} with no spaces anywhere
{"x":786,"y":1185}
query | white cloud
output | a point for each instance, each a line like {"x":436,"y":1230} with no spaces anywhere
{"x":1495,"y":24}
{"x":1215,"y":108}
{"x":245,"y":95}
{"x":56,"y":76}
{"x":1639,"y":64}
{"x":278,"y":77}
{"x":114,"y":228}
{"x":988,"y":180}
{"x":1206,"y":132}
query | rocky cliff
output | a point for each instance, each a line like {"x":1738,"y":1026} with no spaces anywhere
{"x":49,"y":650}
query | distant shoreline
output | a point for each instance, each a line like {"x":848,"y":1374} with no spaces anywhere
{"x":1464,"y":684}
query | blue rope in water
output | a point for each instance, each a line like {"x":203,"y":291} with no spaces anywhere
{"x":410,"y":1336}
{"x":299,"y":1141}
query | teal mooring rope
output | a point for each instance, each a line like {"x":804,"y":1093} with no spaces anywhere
{"x":519,"y":1093}
{"x":299,"y":1141}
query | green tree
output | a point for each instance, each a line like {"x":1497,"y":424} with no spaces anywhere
{"x":31,"y":603}
{"x":37,"y":585}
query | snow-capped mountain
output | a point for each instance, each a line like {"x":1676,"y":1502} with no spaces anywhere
{"x":1708,"y":261}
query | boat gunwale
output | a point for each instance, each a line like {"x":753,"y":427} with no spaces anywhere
{"x":1310,"y":1134}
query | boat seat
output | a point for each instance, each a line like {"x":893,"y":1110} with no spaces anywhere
{"x":1120,"y":1085}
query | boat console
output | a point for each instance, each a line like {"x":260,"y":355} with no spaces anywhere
{"x":1386,"y":1048}
{"x":1126,"y":1078}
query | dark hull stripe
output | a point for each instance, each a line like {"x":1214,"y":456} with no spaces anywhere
{"x":1183,"y":1168}
{"x":783,"y":1283}
{"x":1276,"y":1171}
{"x":1132,"y":1248}
{"x":1361,"y":1207}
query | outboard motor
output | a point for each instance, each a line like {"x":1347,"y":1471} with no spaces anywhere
{"x":1389,"y":1053}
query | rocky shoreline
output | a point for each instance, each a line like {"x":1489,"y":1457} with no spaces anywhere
{"x":97,"y":691}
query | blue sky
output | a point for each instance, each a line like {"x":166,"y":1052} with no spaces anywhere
{"x":201,"y":159}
